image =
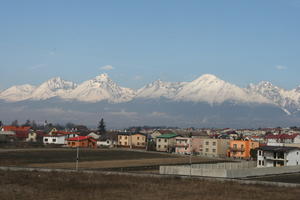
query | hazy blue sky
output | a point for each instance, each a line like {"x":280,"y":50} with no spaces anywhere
{"x":137,"y":42}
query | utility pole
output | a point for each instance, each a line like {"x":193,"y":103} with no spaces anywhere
{"x":77,"y":157}
{"x":191,"y":151}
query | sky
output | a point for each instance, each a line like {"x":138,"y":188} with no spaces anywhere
{"x":139,"y":41}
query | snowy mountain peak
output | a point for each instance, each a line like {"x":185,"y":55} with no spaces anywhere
{"x":57,"y":83}
{"x":101,"y":88}
{"x":102,"y":77}
{"x":17,"y":93}
{"x":159,"y":89}
{"x":207,"y":77}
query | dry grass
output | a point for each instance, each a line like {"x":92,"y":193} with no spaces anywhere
{"x":72,"y":186}
{"x":92,"y":159}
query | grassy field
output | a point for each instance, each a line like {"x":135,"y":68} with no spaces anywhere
{"x":77,"y":186}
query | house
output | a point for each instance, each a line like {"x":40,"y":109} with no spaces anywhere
{"x":215,"y":147}
{"x":35,"y":136}
{"x":241,"y":148}
{"x":188,"y":145}
{"x":124,"y":139}
{"x":82,"y":141}
{"x":58,"y":139}
{"x":108,"y":140}
{"x":277,"y":156}
{"x":132,"y":140}
{"x":7,"y":136}
{"x":22,"y":135}
{"x":139,"y":140}
{"x":166,"y":142}
{"x":279,"y":139}
{"x":21,"y":132}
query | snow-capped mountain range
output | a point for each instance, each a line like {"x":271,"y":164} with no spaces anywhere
{"x":207,"y":88}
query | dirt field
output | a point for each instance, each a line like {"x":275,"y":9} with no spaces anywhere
{"x":79,"y":186}
{"x":93,"y":159}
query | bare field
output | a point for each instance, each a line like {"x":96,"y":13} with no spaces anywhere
{"x":80,"y":186}
{"x":92,"y":159}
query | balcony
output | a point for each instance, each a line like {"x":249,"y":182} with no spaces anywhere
{"x":181,"y":145}
{"x":235,"y":149}
{"x":274,"y":158}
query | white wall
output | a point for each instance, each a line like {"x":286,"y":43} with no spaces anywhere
{"x":293,"y":158}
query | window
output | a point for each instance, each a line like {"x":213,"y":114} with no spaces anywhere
{"x":207,"y":143}
{"x":235,"y":146}
{"x":159,"y":140}
{"x":242,"y":146}
{"x":73,"y":143}
{"x":206,"y":150}
{"x":138,"y":138}
{"x":242,"y":152}
{"x":125,"y":143}
{"x":263,"y":162}
{"x":46,"y":139}
{"x":54,"y":140}
{"x":259,"y":153}
{"x":165,"y":146}
{"x":107,"y":141}
{"x":138,"y":143}
{"x":158,"y":146}
{"x":214,"y":150}
{"x":214,"y":143}
{"x":125,"y":137}
{"x":165,"y":140}
{"x":259,"y":162}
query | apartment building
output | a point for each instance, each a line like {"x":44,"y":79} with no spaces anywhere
{"x":215,"y":147}
{"x":166,"y":142}
{"x":241,"y":148}
{"x":277,"y":156}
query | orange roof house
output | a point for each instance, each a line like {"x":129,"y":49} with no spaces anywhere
{"x":82,"y":141}
{"x":241,"y":148}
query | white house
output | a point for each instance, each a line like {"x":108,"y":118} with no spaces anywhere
{"x":108,"y":140}
{"x":59,"y":139}
{"x":277,"y":156}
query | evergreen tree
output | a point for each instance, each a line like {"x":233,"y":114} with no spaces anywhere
{"x":101,"y":127}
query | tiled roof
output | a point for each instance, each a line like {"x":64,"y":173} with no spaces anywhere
{"x":64,"y":132}
{"x":281,"y":136}
{"x":80,"y":138}
{"x":278,"y":148}
{"x":15,"y":128}
{"x":172,"y":135}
